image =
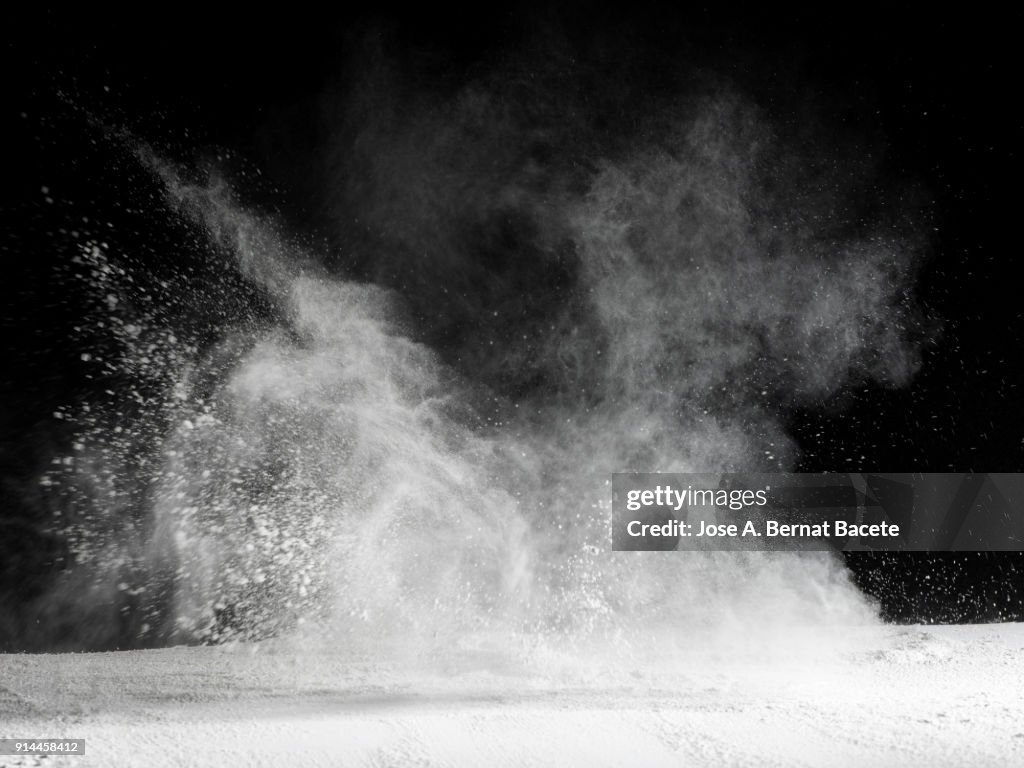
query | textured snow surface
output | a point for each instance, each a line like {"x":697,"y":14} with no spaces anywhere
{"x":901,"y":696}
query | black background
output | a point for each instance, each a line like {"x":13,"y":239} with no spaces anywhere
{"x":935,"y":93}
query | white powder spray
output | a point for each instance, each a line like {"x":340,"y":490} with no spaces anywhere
{"x":360,"y":474}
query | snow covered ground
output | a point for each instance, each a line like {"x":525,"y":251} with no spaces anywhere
{"x":901,"y":696}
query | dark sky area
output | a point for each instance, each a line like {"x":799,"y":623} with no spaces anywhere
{"x":931,"y":96}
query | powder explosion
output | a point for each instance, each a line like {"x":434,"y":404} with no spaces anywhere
{"x":412,"y":441}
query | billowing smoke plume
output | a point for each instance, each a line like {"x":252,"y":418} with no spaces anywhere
{"x":420,"y":447}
